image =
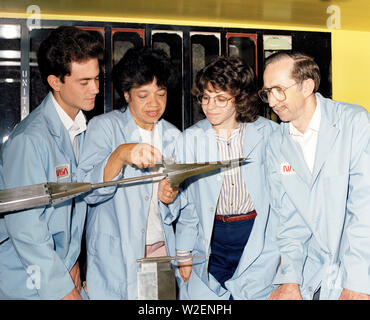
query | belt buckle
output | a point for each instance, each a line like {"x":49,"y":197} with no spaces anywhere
{"x":221,"y":217}
{"x":230,"y":218}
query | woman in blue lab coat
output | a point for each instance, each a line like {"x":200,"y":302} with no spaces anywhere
{"x":224,"y":217}
{"x":124,"y":222}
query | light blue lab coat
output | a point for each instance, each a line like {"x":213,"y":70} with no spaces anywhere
{"x":324,"y":229}
{"x":45,"y":239}
{"x":195,"y":207}
{"x":117,"y":218}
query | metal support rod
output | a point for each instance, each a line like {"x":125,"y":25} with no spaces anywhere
{"x":52,"y":193}
{"x":124,"y":180}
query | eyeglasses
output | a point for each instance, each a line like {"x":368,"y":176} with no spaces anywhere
{"x":220,"y":100}
{"x":277,"y":92}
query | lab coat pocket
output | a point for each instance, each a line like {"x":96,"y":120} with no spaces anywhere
{"x":105,"y":258}
{"x":106,"y":250}
{"x":103,"y":244}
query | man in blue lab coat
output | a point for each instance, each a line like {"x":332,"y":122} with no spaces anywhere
{"x":319,"y":175}
{"x":39,"y":247}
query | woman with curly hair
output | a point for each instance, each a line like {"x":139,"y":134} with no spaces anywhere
{"x":223,"y":218}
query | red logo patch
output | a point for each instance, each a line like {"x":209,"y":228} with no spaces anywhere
{"x":62,"y":171}
{"x":286,"y":168}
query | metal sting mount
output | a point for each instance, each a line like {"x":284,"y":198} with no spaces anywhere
{"x":156,"y":279}
{"x":53,"y":193}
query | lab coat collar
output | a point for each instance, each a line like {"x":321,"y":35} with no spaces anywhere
{"x":57,"y":129}
{"x":294,"y":156}
{"x":326,"y":139}
{"x":328,"y":134}
{"x":74,"y":127}
{"x":131,"y":129}
{"x":252,"y":136}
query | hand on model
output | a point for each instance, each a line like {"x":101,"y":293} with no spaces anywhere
{"x":142,"y":155}
{"x":165,"y":193}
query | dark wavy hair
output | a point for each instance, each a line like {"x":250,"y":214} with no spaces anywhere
{"x":140,"y":66}
{"x":233,"y":75}
{"x":64,"y":45}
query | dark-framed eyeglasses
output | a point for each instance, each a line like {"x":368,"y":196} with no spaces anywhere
{"x":277,"y":92}
{"x":220,"y":100}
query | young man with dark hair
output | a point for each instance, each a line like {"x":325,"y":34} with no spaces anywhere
{"x":39,"y":247}
{"x":319,"y":174}
{"x":124,"y":223}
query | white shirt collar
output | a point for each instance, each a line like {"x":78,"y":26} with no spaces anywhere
{"x":74,"y":127}
{"x":314,"y":124}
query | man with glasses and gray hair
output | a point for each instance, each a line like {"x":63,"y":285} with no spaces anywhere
{"x":319,"y":176}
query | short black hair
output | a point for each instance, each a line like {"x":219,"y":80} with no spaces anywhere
{"x":140,"y":66}
{"x":64,"y":45}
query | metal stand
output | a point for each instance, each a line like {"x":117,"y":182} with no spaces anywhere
{"x":156,"y":280}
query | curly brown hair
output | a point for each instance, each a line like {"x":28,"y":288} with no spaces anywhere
{"x":233,"y":75}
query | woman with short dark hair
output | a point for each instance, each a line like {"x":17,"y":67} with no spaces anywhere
{"x":124,"y":223}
